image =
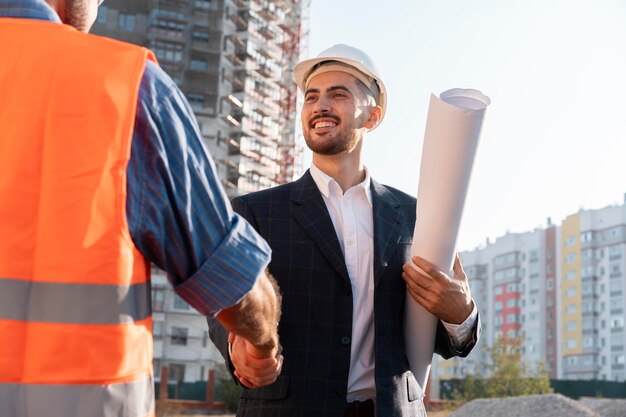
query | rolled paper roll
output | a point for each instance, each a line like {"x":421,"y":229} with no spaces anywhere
{"x":450,"y":141}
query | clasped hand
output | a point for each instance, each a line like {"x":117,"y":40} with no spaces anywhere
{"x":252,"y":366}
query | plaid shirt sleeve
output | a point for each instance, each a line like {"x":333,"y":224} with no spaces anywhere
{"x":178,"y":213}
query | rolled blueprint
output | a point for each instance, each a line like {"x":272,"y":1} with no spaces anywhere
{"x":450,"y":140}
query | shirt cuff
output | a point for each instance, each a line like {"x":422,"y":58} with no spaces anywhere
{"x":229,"y":273}
{"x":461,"y":334}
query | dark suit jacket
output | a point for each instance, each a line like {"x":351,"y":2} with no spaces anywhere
{"x":316,"y":322}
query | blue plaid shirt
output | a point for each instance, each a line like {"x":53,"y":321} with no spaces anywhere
{"x":178,"y":214}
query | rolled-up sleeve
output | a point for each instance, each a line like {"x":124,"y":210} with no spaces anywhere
{"x":212,"y":287}
{"x":178,"y":213}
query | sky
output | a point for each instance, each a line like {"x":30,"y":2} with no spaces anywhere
{"x":554,"y":137}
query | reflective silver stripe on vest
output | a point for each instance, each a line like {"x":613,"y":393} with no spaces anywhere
{"x":131,"y":399}
{"x":73,"y":303}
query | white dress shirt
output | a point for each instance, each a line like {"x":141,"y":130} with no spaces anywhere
{"x":353,"y":218}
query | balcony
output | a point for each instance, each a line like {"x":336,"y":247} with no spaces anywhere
{"x":266,"y":33}
{"x":170,"y":35}
{"x":235,"y":59}
{"x":240,"y":20}
{"x":265,"y":71}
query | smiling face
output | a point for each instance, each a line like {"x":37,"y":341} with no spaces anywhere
{"x":336,"y":113}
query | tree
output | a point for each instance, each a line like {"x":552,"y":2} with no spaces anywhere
{"x":507,"y":374}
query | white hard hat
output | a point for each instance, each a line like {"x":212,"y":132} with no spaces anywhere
{"x":351,"y":57}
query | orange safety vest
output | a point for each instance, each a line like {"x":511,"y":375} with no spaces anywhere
{"x":75,"y":315}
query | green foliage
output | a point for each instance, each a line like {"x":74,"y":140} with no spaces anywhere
{"x":506,"y":375}
{"x":229,"y":393}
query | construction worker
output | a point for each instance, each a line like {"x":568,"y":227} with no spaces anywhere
{"x":102,"y":171}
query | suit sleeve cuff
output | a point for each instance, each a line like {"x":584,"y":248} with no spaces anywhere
{"x":229,"y":273}
{"x":462,"y":334}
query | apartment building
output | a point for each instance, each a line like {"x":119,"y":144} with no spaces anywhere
{"x":232,"y":59}
{"x":560,"y":288}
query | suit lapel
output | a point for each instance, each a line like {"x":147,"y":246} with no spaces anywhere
{"x":310,"y":211}
{"x":387,"y":228}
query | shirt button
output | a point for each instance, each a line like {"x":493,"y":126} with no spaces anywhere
{"x":345,"y":340}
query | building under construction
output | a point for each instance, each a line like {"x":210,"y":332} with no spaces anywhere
{"x":233,"y":60}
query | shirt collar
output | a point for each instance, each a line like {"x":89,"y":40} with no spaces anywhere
{"x":28,"y":9}
{"x":324,"y":181}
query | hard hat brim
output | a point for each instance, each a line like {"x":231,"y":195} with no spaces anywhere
{"x":302,"y":70}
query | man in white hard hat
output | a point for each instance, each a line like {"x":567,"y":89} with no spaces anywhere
{"x":341,"y":242}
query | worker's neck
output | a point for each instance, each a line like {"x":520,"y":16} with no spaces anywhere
{"x":347,"y":170}
{"x":58,"y":6}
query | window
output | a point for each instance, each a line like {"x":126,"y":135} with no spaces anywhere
{"x":200,"y":36}
{"x":588,"y":271}
{"x":102,"y":15}
{"x":513,"y":302}
{"x":570,"y":257}
{"x":533,"y":256}
{"x":498,"y":290}
{"x":570,"y":241}
{"x":167,"y":28}
{"x":550,"y":284}
{"x":158,"y":298}
{"x":179,"y":336}
{"x":571,"y":344}
{"x":571,"y":326}
{"x":167,"y":51}
{"x":198,"y":65}
{"x":617,"y":322}
{"x":176,"y":372}
{"x":202,"y":4}
{"x":498,"y":306}
{"x":157,"y":13}
{"x":570,"y":292}
{"x":157,"y":328}
{"x":615,"y":271}
{"x":615,"y":252}
{"x":615,"y":286}
{"x":511,"y":318}
{"x":586,"y":237}
{"x":126,"y":21}
{"x":180,"y":304}
{"x":570,"y":309}
{"x":514,"y":273}
{"x":616,"y":303}
{"x":195,"y":99}
{"x":570,"y":275}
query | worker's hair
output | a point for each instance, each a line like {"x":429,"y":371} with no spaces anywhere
{"x":366,"y":92}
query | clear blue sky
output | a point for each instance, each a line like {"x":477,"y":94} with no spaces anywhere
{"x":554,"y":138}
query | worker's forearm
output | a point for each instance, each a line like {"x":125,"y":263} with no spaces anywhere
{"x":255,"y":318}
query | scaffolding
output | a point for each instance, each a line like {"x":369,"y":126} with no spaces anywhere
{"x":266,"y":45}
